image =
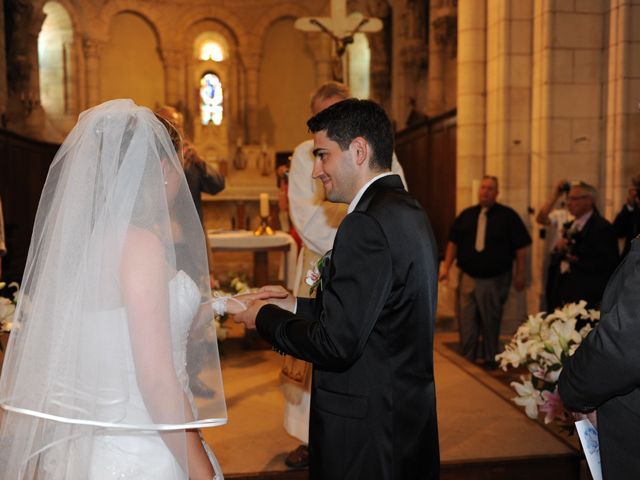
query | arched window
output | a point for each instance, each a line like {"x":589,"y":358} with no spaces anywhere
{"x":210,"y":46}
{"x":211,"y":50}
{"x":211,"y":108}
{"x":55,"y":59}
{"x":359,"y":61}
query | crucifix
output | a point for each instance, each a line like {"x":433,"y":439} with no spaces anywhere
{"x":341,"y":28}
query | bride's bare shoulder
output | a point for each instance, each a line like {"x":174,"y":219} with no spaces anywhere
{"x":142,"y":243}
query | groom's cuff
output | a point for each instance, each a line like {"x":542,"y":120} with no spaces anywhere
{"x":268,"y":321}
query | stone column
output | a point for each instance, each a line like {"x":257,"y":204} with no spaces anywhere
{"x":442,"y":47}
{"x":509,"y":60}
{"x":173,"y":63}
{"x":34,"y":121}
{"x":508,"y":119}
{"x":92,"y":51}
{"x":24,"y":112}
{"x":252,"y":68}
{"x":623,"y":92}
{"x":471,"y":88}
{"x":320,"y":46}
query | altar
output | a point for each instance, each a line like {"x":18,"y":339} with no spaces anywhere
{"x":260,"y":246}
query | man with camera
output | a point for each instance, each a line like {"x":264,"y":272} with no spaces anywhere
{"x":627,"y":222}
{"x":552,"y":217}
{"x":586,"y":255}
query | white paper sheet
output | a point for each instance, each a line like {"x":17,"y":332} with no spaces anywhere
{"x":590,"y":446}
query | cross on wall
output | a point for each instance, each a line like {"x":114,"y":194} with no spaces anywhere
{"x":340,"y":27}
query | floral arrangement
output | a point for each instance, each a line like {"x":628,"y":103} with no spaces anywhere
{"x":540,"y":344}
{"x":314,"y":275}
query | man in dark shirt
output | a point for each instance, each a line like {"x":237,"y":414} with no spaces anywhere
{"x":485,"y":239}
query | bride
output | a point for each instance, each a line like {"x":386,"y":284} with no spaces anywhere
{"x":94,"y":383}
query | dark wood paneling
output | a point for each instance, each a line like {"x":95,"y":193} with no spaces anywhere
{"x":24,"y":164}
{"x":427,"y":153}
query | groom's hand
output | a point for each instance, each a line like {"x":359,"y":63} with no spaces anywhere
{"x":248,"y":317}
{"x":280,"y":297}
{"x":239,"y":303}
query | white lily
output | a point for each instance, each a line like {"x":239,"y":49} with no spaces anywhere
{"x":594,"y":315}
{"x":514,"y":354}
{"x":572,"y":311}
{"x":528,"y":397}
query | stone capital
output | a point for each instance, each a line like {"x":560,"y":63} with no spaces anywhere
{"x":171,"y":57}
{"x":92,"y":47}
{"x":251,"y":60}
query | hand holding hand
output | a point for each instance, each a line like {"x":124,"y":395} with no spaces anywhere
{"x":279,"y":296}
{"x":248,"y":317}
{"x":240,"y":303}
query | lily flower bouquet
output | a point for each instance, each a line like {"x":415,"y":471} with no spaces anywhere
{"x":540,"y":344}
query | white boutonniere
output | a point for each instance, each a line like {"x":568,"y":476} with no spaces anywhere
{"x":314,"y":274}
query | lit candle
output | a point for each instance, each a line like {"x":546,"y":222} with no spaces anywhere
{"x":264,"y":205}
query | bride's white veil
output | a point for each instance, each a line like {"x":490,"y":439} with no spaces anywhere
{"x":115,"y":282}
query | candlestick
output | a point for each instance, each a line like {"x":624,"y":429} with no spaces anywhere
{"x":264,"y":228}
{"x":264,"y":205}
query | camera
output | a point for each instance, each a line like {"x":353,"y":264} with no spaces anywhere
{"x":565,"y":187}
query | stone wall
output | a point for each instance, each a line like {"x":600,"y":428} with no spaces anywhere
{"x":547,"y":90}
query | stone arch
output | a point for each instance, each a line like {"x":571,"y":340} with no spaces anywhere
{"x":153,"y":17}
{"x":71,"y":9}
{"x":201,"y":25}
{"x":232,"y":27}
{"x":274,"y":14}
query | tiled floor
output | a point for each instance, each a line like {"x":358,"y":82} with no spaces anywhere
{"x":477,"y":420}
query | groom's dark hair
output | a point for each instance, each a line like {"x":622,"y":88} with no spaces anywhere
{"x":351,"y":118}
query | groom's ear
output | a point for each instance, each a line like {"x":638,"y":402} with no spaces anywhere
{"x":361,"y":149}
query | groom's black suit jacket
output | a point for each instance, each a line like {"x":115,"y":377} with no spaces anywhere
{"x":604,"y":373}
{"x":369,"y":335}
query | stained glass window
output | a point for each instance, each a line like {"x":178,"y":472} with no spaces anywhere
{"x":210,"y":99}
{"x":211,"y":51}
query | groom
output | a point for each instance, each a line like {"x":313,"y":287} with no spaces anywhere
{"x":369,"y":331}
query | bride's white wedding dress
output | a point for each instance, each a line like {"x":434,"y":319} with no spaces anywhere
{"x":115,"y":196}
{"x":142,"y":455}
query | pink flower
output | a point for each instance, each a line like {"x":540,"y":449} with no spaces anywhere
{"x":312,"y":277}
{"x":552,"y":406}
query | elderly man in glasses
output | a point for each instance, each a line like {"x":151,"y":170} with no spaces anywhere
{"x":586,"y":255}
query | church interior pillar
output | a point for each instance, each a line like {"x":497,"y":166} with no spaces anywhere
{"x":508,"y":120}
{"x":23,"y":23}
{"x":92,"y":49}
{"x":471,"y":91}
{"x":252,"y":66}
{"x":173,"y":67}
{"x":509,"y":50}
{"x":623,"y":91}
{"x":442,"y":49}
{"x":320,"y":46}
